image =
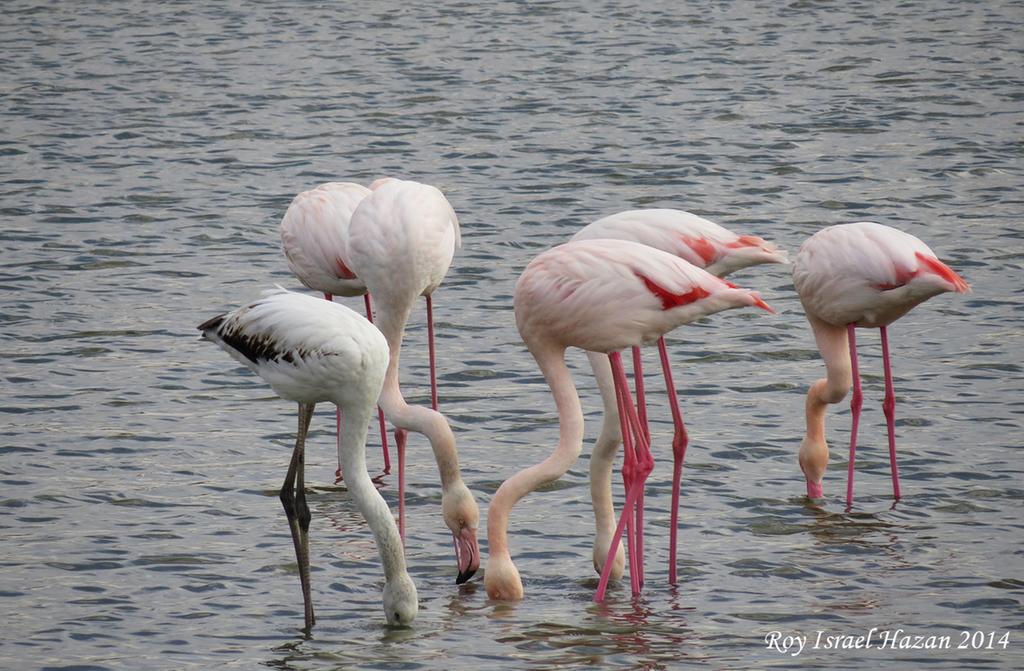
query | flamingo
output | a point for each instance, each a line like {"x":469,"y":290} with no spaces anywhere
{"x":309,"y":351}
{"x":706,"y":245}
{"x":600,"y":296}
{"x":313,"y":233}
{"x":858,"y":275}
{"x":401,"y":241}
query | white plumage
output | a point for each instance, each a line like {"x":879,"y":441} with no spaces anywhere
{"x":401,"y":242}
{"x":308,"y":350}
{"x":402,"y":239}
{"x":311,"y":350}
{"x":867,"y":274}
{"x":605,"y":295}
{"x":313,"y":234}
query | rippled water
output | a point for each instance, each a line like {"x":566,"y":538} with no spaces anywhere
{"x":149,"y":151}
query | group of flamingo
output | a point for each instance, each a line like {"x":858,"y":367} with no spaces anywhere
{"x":622,"y":282}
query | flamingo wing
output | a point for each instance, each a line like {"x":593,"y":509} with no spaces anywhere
{"x":868,"y":274}
{"x":405,"y":222}
{"x":304,"y":347}
{"x":604,"y":295}
{"x":700,"y":241}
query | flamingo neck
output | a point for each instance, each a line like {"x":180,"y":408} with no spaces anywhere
{"x":551,"y":360}
{"x":373,"y":507}
{"x":814,"y":410}
{"x":835,"y":351}
{"x":391,"y":320}
{"x":602,"y":460}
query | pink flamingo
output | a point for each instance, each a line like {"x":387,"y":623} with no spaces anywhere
{"x":706,"y":245}
{"x":313,"y":233}
{"x":401,"y":241}
{"x":601,"y":296}
{"x":311,"y":351}
{"x":858,"y":275}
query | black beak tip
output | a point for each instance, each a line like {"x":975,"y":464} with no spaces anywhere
{"x":465,"y":575}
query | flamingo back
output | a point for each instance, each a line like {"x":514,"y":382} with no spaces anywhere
{"x":700,"y":241}
{"x":402,"y":239}
{"x":605,"y":295}
{"x":868,"y":274}
{"x":308,"y":350}
{"x":313,"y":234}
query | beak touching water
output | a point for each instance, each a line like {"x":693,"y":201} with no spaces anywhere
{"x":467,"y":554}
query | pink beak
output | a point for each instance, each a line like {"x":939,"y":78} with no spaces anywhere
{"x":814,"y":490}
{"x":467,"y":554}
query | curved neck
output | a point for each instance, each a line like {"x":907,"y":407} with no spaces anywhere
{"x":835,"y":351}
{"x":391,"y":320}
{"x":376,"y":512}
{"x":815,"y":410}
{"x":551,"y":360}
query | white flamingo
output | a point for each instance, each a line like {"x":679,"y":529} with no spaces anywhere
{"x":401,"y":241}
{"x":313,"y":233}
{"x":310,"y":350}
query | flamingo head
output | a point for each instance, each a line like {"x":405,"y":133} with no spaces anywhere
{"x":400,"y":600}
{"x":813,"y":459}
{"x":745,"y":251}
{"x":462,"y":516}
{"x":502,"y":578}
{"x":602,"y":544}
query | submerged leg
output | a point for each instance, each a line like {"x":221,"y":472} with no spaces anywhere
{"x":380,"y":410}
{"x":889,"y":407}
{"x":293,"y":498}
{"x":855,"y":405}
{"x":645,"y":464}
{"x":679,"y":442}
{"x":430,"y":350}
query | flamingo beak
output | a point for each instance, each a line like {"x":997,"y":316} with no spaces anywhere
{"x":467,"y":554}
{"x":814,"y":490}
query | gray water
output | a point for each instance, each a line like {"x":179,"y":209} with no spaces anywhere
{"x":149,"y":151}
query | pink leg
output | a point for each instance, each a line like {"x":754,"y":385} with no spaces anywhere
{"x":645,"y":465}
{"x":641,"y":402}
{"x":401,"y":435}
{"x":855,"y":405}
{"x":889,"y":407}
{"x":430,"y":349}
{"x":380,"y":411}
{"x":679,"y":443}
{"x":641,"y":399}
{"x":629,"y":469}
